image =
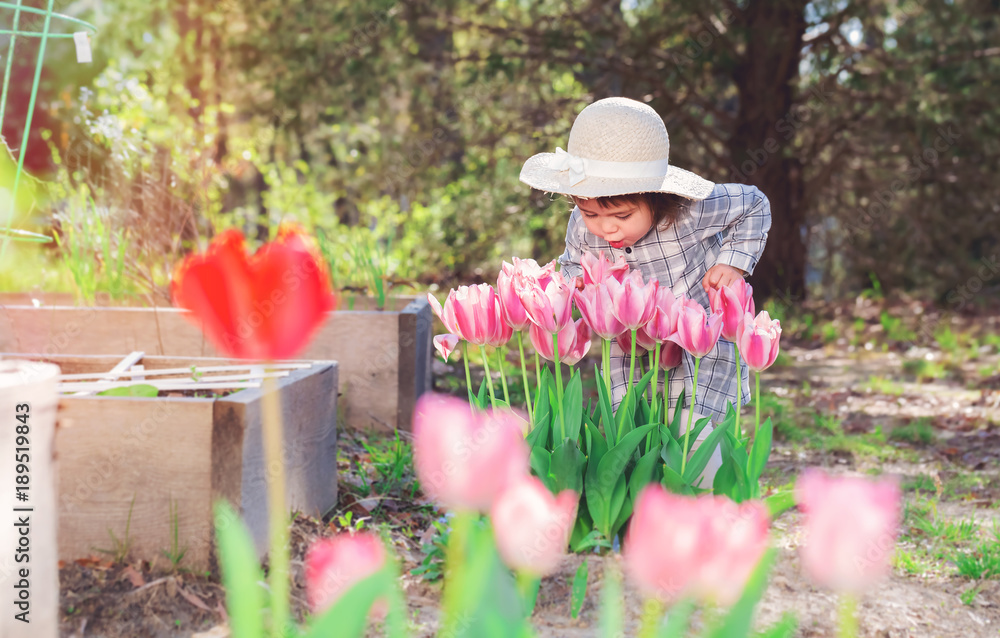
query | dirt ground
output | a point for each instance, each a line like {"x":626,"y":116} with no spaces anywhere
{"x":869,"y":390}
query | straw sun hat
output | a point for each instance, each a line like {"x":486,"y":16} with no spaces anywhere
{"x":616,"y":146}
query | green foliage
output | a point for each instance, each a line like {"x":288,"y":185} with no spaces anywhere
{"x":980,"y":562}
{"x":177,"y":551}
{"x":120,"y":547}
{"x":924,"y":370}
{"x":916,"y":431}
{"x":431,"y":567}
{"x":881,"y":385}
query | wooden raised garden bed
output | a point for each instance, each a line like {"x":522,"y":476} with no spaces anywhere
{"x":384,"y":356}
{"x":155,"y":465}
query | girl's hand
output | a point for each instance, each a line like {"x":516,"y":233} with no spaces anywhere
{"x":720,"y":275}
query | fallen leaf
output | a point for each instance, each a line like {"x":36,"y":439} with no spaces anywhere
{"x":133,"y":576}
{"x":219,"y":631}
{"x":193,"y":599}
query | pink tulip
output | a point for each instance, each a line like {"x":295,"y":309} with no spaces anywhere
{"x":464,"y":459}
{"x":694,"y":334}
{"x":334,"y":565}
{"x":594,"y":302}
{"x":671,"y":355}
{"x":758,"y":339}
{"x":550,"y":307}
{"x":446,"y":313}
{"x":597,"y":268}
{"x":706,"y":546}
{"x":574,"y":342}
{"x":666,"y":312}
{"x":532,"y":527}
{"x":732,"y":301}
{"x":513,"y":310}
{"x":850,"y":528}
{"x":634,"y":302}
{"x":530,"y":268}
{"x":643,"y":342}
{"x":446,"y":344}
{"x":504,"y":331}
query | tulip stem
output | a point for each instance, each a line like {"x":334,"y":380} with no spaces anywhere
{"x":606,"y":364}
{"x":524,"y":376}
{"x":666,"y":397}
{"x":656,"y":379}
{"x":848,"y":619}
{"x":503,"y":377}
{"x":559,"y":388}
{"x":739,"y":394}
{"x":631,"y":366}
{"x":277,"y":511}
{"x":456,"y":559}
{"x":652,"y":613}
{"x":468,"y":377}
{"x":687,"y":432}
{"x":757,"y":427}
{"x":527,"y":586}
{"x":489,"y":379}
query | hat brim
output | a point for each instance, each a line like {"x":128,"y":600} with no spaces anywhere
{"x":537,"y":174}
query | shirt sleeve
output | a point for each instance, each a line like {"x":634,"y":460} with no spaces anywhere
{"x":742,"y":214}
{"x":569,"y":261}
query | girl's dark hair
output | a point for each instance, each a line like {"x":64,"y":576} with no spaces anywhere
{"x":667,"y":208}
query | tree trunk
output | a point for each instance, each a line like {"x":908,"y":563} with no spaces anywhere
{"x":760,"y":147}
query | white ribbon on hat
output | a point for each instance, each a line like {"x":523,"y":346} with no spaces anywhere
{"x":582,"y":167}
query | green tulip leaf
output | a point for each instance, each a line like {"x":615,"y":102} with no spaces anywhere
{"x":675,"y":422}
{"x":737,"y":621}
{"x":760,"y":452}
{"x":784,"y":628}
{"x":704,"y":452}
{"x":642,"y":473}
{"x":579,"y":592}
{"x":672,"y":454}
{"x":567,"y":468}
{"x":573,"y":406}
{"x":540,"y":462}
{"x":607,"y":413}
{"x":779,"y":503}
{"x":677,"y":620}
{"x":137,"y":390}
{"x":241,"y":574}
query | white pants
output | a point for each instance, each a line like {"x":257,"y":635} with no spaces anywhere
{"x":707,"y":476}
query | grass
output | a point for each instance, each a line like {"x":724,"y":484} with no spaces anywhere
{"x":176,"y":552}
{"x":894,"y":328}
{"x":924,"y":370}
{"x":120,"y":547}
{"x":916,"y":431}
{"x":881,"y":385}
{"x":980,"y":562}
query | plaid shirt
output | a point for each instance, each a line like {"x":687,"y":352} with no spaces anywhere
{"x":728,"y":227}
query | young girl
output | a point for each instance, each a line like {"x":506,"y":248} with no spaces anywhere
{"x":672,"y":225}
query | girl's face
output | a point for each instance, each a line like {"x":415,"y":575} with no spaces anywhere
{"x":620,"y":225}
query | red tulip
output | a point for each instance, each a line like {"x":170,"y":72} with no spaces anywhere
{"x":574,"y":342}
{"x":334,"y":565}
{"x":594,"y":302}
{"x":850,"y":525}
{"x":549,"y":306}
{"x":532,"y":527}
{"x":446,"y":344}
{"x":634,"y":302}
{"x":732,"y":301}
{"x":706,"y":546}
{"x":597,"y":268}
{"x":465,"y":459}
{"x":758,"y":340}
{"x":694,"y":333}
{"x":265,"y":306}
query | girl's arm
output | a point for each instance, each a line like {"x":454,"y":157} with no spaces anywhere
{"x":569,"y":261}
{"x":743,"y":214}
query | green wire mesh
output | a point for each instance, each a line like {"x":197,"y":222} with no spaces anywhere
{"x":45,"y":34}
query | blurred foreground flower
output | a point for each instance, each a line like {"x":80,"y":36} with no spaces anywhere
{"x":851,"y":525}
{"x":532,"y":526}
{"x":705,"y":547}
{"x":264,"y":306}
{"x":334,"y":564}
{"x":465,"y":459}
